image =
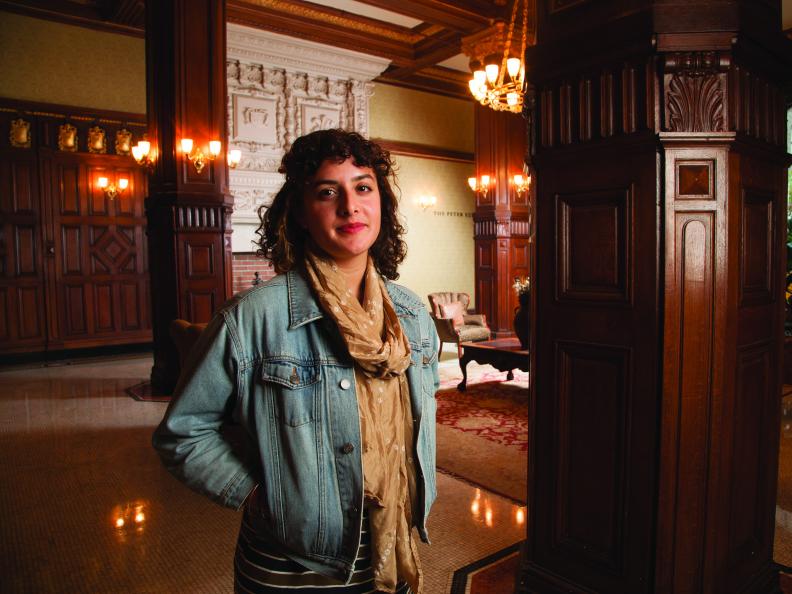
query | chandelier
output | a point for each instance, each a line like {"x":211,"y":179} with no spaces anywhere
{"x":501,"y":87}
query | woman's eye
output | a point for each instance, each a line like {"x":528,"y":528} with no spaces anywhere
{"x":364,"y":188}
{"x":326,"y":192}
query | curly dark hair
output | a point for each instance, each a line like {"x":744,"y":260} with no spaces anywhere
{"x":282,"y":239}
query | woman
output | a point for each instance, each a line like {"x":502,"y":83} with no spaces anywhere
{"x":330,"y":369}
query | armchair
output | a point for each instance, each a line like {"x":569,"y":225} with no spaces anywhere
{"x":453,"y":323}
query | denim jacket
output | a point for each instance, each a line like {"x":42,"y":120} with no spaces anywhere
{"x":273,"y":363}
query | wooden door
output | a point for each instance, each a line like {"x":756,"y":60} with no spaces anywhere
{"x":99,"y":271}
{"x":23,"y":320}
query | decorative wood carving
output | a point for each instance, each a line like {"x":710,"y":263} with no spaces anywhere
{"x":695,"y":89}
{"x":19,"y":136}
{"x":97,"y":140}
{"x":67,"y":138}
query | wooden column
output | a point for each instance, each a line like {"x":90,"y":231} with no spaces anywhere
{"x":660,"y":170}
{"x":501,"y":219}
{"x":188,"y":211}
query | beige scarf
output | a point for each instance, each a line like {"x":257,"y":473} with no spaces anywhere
{"x":381,"y":351}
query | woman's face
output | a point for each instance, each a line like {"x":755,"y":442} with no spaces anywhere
{"x":341,"y":210}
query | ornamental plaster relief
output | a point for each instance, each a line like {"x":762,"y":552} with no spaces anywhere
{"x":280,"y":88}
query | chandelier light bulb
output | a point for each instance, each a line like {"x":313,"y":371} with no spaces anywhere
{"x":512,"y":98}
{"x":480,"y":77}
{"x":513,"y":67}
{"x":474,"y":86}
{"x":492,"y":72}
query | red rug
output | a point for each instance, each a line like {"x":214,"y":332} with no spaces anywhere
{"x":493,"y":410}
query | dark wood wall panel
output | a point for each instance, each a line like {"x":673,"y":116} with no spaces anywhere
{"x":29,"y":308}
{"x":757,"y":237}
{"x":21,"y":265}
{"x":594,"y":245}
{"x":591,"y":416}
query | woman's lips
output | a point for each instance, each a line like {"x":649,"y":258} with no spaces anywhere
{"x":352,"y":227}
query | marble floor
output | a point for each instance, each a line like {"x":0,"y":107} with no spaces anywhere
{"x":87,"y":507}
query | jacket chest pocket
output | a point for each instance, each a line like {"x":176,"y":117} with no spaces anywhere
{"x":291,"y":387}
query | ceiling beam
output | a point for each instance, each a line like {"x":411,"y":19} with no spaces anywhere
{"x":465,"y":16}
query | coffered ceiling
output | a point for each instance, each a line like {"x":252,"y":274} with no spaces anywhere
{"x":422,"y":38}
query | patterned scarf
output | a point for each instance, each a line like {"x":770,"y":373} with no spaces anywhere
{"x":381,"y":351}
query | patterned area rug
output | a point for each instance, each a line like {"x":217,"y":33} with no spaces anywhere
{"x":482,"y":433}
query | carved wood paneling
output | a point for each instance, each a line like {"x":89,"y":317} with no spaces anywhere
{"x":592,"y":418}
{"x":757,"y":235}
{"x":21,"y":269}
{"x":594,"y":246}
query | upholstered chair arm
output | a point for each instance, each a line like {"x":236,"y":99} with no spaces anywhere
{"x":446,"y":330}
{"x":475,"y":319}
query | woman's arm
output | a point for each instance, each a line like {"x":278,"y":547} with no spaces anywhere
{"x":188,"y":439}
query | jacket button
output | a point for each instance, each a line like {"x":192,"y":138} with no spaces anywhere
{"x":347,"y":448}
{"x":345,"y":383}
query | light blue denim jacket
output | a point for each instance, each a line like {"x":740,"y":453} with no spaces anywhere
{"x":271,"y":361}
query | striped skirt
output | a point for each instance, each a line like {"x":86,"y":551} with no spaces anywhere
{"x":260,"y":569}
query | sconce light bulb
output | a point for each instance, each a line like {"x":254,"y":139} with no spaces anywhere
{"x":492,"y":72}
{"x":485,"y":181}
{"x":472,"y":183}
{"x":513,"y":67}
{"x":518,"y":180}
{"x":215,"y":147}
{"x":119,"y":523}
{"x":123,"y":183}
{"x":234,"y":156}
{"x":145,"y":147}
{"x":137,"y":152}
{"x":102,"y":182}
{"x":186,"y":145}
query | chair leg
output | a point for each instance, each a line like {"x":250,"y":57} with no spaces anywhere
{"x":459,"y":349}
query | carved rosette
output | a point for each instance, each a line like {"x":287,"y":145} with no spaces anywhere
{"x":696,"y":92}
{"x":19,"y":136}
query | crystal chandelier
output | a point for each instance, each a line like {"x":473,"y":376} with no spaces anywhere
{"x":489,"y":85}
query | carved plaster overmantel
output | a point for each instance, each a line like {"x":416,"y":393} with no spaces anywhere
{"x":280,"y":88}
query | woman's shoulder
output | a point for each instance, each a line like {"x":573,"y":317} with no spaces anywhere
{"x":269,"y":294}
{"x":404,"y":297}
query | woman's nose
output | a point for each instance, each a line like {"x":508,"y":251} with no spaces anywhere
{"x":346,"y":203}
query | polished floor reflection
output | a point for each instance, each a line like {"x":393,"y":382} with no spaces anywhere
{"x":87,"y":507}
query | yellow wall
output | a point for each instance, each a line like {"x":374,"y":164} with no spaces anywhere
{"x":440,"y":254}
{"x":439,"y":239}
{"x":50,"y":62}
{"x":414,"y":116}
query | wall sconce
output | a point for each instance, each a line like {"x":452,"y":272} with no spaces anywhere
{"x":234,"y":156}
{"x":427,"y":202}
{"x":197,"y":156}
{"x":111,"y":190}
{"x":521,"y":184}
{"x":142,"y":154}
{"x":480,"y":186}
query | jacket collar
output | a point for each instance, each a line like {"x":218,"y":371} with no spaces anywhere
{"x":303,"y":307}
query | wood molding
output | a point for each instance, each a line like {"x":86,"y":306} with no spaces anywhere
{"x":57,"y":110}
{"x":425,"y":151}
{"x":77,"y":15}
